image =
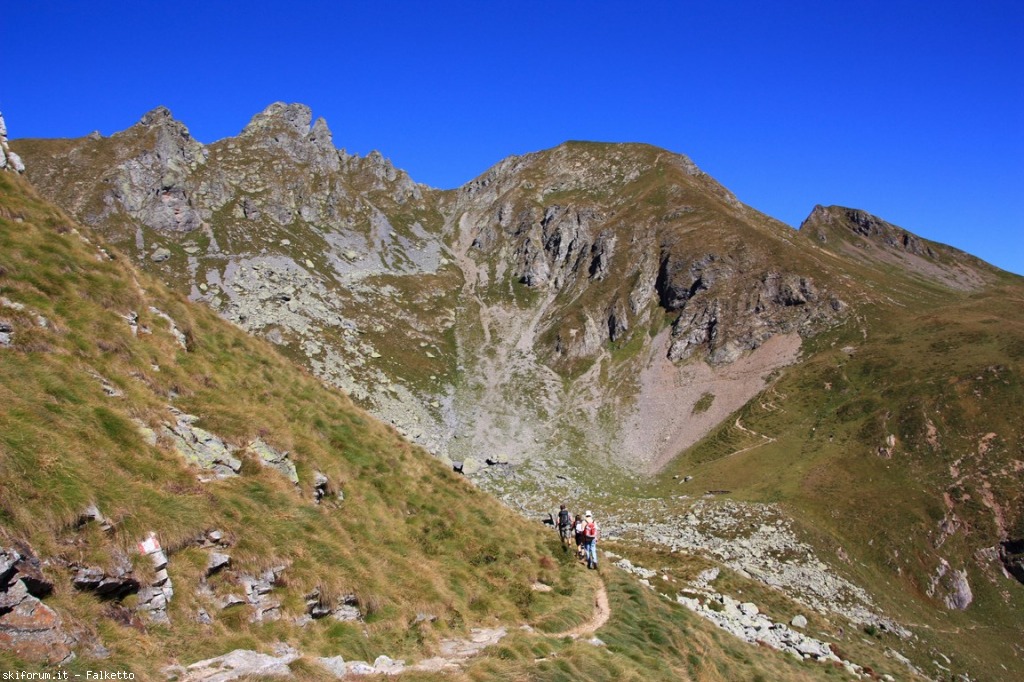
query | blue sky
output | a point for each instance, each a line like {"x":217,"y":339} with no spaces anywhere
{"x":913,"y":111}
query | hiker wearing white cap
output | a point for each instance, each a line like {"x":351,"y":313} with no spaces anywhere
{"x":591,"y":533}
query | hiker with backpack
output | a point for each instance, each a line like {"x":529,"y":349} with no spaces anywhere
{"x":564,"y":526}
{"x":578,"y":526}
{"x":591,"y":533}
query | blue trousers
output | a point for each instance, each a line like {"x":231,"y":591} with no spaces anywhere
{"x":591,"y":552}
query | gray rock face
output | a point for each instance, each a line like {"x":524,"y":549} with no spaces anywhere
{"x":28,"y":627}
{"x":202,"y":448}
{"x":216,"y":562}
{"x":8,"y":159}
{"x":240,"y":663}
{"x":151,"y":186}
{"x":275,"y":459}
{"x":951,"y":586}
{"x":258,"y":591}
{"x":347,"y":609}
{"x":725,"y":312}
{"x":116,"y":584}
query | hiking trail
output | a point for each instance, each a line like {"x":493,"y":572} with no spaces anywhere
{"x":602,"y":612}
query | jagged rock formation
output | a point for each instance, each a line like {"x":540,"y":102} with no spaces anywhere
{"x":534,"y":293}
{"x":868,"y":239}
{"x":28,"y":627}
{"x":9,"y":160}
{"x":310,"y":246}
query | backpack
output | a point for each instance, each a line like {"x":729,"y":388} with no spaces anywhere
{"x":590,"y":530}
{"x":563,"y":518}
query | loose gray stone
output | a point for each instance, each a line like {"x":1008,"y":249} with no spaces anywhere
{"x":216,"y":562}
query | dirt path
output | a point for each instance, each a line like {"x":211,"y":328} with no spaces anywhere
{"x":602,"y":612}
{"x":741,"y":427}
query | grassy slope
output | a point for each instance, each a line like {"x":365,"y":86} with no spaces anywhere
{"x":938,"y":373}
{"x":409,"y":536}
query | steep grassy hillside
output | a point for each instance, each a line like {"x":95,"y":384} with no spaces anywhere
{"x":80,"y":388}
{"x":377,"y":548}
{"x":898,"y":445}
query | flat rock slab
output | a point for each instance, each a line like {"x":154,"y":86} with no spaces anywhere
{"x":237,"y":664}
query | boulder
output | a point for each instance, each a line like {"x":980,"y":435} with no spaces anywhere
{"x":216,"y":562}
{"x":30,"y":629}
{"x":335,"y":665}
{"x":273,"y":458}
{"x":798,"y":622}
{"x":359,"y":668}
{"x":160,"y":255}
{"x":347,"y":609}
{"x":388,"y":666}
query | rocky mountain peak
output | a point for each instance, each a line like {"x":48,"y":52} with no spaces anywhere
{"x":290,"y":128}
{"x":869,"y":239}
{"x":295,"y":118}
{"x":863,"y":224}
{"x":156,"y":116}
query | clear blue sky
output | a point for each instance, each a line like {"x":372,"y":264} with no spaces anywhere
{"x":913,"y":111}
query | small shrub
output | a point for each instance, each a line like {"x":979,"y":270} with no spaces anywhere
{"x":703,"y":404}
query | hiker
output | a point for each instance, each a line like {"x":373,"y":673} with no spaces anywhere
{"x":564,"y":524}
{"x":591,"y":533}
{"x":578,"y":527}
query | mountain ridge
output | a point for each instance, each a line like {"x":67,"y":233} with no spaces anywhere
{"x":573,"y":321}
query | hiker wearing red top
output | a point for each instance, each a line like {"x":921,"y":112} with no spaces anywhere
{"x":591,"y":533}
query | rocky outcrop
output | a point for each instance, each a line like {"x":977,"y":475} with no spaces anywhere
{"x":345,"y":608}
{"x":28,"y":627}
{"x":757,"y":542}
{"x":258,"y":589}
{"x":273,"y":458}
{"x":9,"y":160}
{"x":238,"y":664}
{"x":1011,"y":553}
{"x":951,"y":587}
{"x":114,"y":583}
{"x":152,"y":185}
{"x":724,"y":311}
{"x":200,"y":447}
